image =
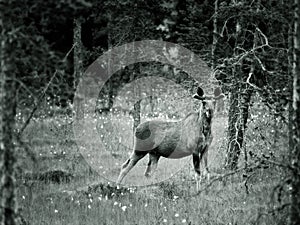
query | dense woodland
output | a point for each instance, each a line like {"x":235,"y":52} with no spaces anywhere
{"x":252,"y":50}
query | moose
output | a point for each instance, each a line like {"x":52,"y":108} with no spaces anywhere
{"x":189,"y":136}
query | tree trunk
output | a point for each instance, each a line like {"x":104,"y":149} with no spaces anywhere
{"x":219,"y":102}
{"x":239,"y":101}
{"x":110,"y":86}
{"x":136,"y":114}
{"x":78,"y":68}
{"x":215,"y":37}
{"x":295,"y":147}
{"x":78,"y":47}
{"x":8,"y":209}
{"x":290,"y":105}
{"x":237,"y":121}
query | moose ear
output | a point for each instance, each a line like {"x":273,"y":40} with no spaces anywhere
{"x":200,"y":94}
{"x":218,"y":93}
{"x":200,"y":91}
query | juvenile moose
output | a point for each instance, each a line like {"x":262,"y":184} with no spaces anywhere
{"x":190,"y":136}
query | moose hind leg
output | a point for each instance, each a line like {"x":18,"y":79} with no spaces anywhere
{"x":129,"y":164}
{"x":152,"y":164}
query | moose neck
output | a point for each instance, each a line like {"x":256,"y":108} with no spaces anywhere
{"x":206,"y":115}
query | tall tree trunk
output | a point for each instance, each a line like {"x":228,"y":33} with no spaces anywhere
{"x":290,"y":105}
{"x":7,"y":125}
{"x":215,"y":37}
{"x":110,"y":100}
{"x":295,"y":147}
{"x":78,"y":47}
{"x":238,"y":103}
{"x":219,"y":102}
{"x":136,"y":114}
{"x":237,"y":121}
{"x":78,"y":68}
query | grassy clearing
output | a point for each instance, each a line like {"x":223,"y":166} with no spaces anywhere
{"x":91,"y":199}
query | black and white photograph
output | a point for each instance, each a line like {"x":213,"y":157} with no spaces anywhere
{"x":150,"y":112}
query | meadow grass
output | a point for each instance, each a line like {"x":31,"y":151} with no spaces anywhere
{"x":89,"y":198}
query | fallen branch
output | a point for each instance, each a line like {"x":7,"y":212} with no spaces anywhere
{"x":221,"y":177}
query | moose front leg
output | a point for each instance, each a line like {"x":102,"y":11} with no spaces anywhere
{"x":203,"y":158}
{"x":196,"y":162}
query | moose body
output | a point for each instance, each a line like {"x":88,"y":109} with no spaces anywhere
{"x":189,"y":136}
